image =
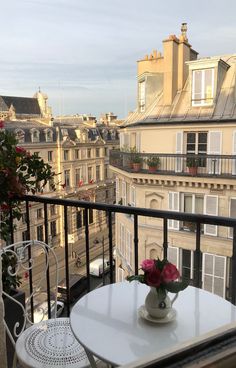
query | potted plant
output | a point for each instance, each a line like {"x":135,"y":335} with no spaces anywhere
{"x":153,"y":162}
{"x":137,"y":162}
{"x":192,"y":163}
{"x":20,"y":172}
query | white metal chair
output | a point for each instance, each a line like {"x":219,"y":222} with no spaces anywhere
{"x":49,"y":343}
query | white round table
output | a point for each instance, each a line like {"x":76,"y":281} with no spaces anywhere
{"x":106,"y":321}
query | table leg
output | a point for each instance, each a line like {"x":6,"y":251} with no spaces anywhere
{"x":91,"y":358}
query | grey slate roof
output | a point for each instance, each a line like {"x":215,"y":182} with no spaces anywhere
{"x":22,"y":105}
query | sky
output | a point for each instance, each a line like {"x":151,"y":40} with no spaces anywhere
{"x":83,"y":53}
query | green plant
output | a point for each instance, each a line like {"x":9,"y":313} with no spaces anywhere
{"x":20,"y":172}
{"x":136,"y":158}
{"x":192,"y":162}
{"x":153,"y":161}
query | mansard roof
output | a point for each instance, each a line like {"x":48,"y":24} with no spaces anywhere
{"x":181,"y":111}
{"x":22,"y":105}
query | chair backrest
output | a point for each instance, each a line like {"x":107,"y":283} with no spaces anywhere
{"x":26,"y":264}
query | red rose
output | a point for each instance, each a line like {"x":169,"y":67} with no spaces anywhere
{"x":1,"y":124}
{"x":169,"y":273}
{"x":20,"y":150}
{"x":147,"y":265}
{"x":153,"y":278}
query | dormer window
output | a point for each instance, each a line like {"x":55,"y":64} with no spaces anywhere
{"x":35,"y":136}
{"x":141,"y":96}
{"x":48,"y":135}
{"x":20,"y":135}
{"x":203,"y":87}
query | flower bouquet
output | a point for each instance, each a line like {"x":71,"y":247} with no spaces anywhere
{"x":161,"y":276}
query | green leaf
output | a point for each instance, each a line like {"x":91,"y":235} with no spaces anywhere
{"x":176,"y":286}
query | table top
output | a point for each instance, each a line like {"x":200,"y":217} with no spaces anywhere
{"x":107,"y":323}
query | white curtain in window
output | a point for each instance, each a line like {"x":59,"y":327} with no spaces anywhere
{"x":173,"y":255}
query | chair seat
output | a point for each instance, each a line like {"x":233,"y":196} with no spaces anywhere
{"x":50,"y":344}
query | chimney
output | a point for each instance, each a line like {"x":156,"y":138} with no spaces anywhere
{"x":170,"y":47}
{"x":184,"y":55}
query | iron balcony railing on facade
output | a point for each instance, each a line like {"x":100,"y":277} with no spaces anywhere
{"x":111,"y":210}
{"x":202,"y":165}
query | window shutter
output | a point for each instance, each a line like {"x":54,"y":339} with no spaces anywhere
{"x":132,"y":196}
{"x":179,"y":150}
{"x":173,"y":255}
{"x":124,"y":193}
{"x":214,"y":148}
{"x":214,"y":274}
{"x":234,"y":153}
{"x":122,"y":248}
{"x":117,"y":190}
{"x":211,"y":208}
{"x":173,"y":206}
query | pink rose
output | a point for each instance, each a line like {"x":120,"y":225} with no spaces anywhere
{"x":147,"y":265}
{"x":169,"y":273}
{"x":153,"y":278}
{"x":20,"y":150}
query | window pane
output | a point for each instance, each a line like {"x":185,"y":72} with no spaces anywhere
{"x":198,"y":204}
{"x":208,"y":283}
{"x":218,"y":287}
{"x":188,"y":203}
{"x":208,"y":92}
{"x":197,"y":75}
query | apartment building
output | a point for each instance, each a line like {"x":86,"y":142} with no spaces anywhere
{"x":77,"y":151}
{"x":185,"y":122}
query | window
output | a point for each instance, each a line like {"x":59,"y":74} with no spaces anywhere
{"x":53,"y":210}
{"x":105,"y":171}
{"x":78,"y":220}
{"x":53,"y":228}
{"x":67,"y":178}
{"x":66,"y":155}
{"x":77,"y":177}
{"x":50,"y":155}
{"x":202,"y":87}
{"x":98,"y":173}
{"x":141,"y":96}
{"x":25,"y":235}
{"x":232,"y":213}
{"x":20,"y":136}
{"x":90,"y":216}
{"x":192,"y":203}
{"x":40,"y":232}
{"x":39,"y":213}
{"x":197,"y":145}
{"x":48,"y":135}
{"x":97,"y":152}
{"x":24,"y":218}
{"x":106,"y":151}
{"x":89,"y":153}
{"x":77,"y":154}
{"x":35,"y":136}
{"x":214,"y":274}
{"x":90,"y":172}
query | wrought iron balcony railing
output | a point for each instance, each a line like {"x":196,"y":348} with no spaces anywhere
{"x":108,"y":242}
{"x":201,"y":165}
